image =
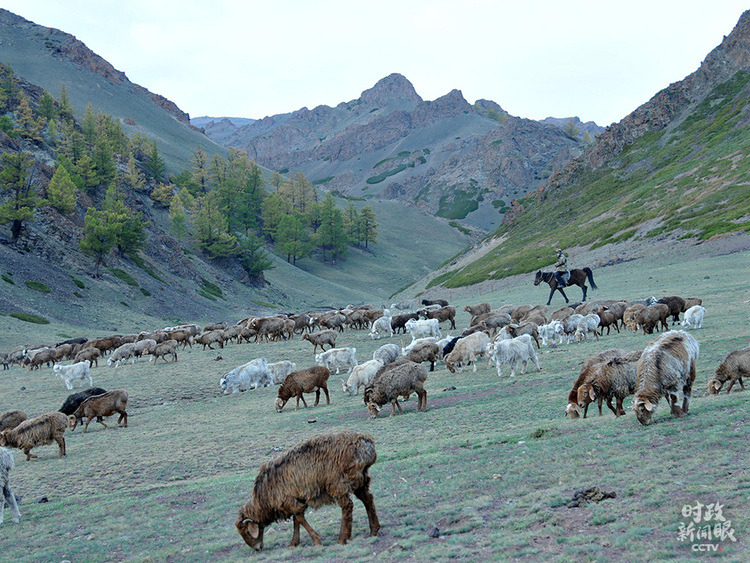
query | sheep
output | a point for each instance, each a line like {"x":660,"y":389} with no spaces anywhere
{"x":5,"y":361}
{"x":307,"y":380}
{"x":553,"y":330}
{"x":478,"y":309}
{"x":387,"y":354}
{"x":451,"y":344}
{"x":338,"y":358}
{"x":35,"y":358}
{"x":11,"y":419}
{"x":511,"y":352}
{"x":74,"y":372}
{"x":398,"y":323}
{"x":613,"y":378}
{"x":35,"y":432}
{"x":6,"y":466}
{"x":100,"y":406}
{"x":732,"y":368}
{"x":90,"y":355}
{"x":441,"y":302}
{"x":423,"y":328}
{"x":333,"y":321}
{"x":607,"y":319}
{"x":570,"y":324}
{"x":122,"y":353}
{"x":321,"y":338}
{"x":629,"y":316}
{"x":184,"y":336}
{"x":666,"y":368}
{"x":694,"y":317}
{"x":587,"y":368}
{"x":215,"y":326}
{"x":251,"y":375}
{"x":404,"y":305}
{"x":691,"y":302}
{"x":650,"y":317}
{"x":467,"y":350}
{"x":512,"y":330}
{"x":323,"y":470}
{"x":279,"y":370}
{"x":63,"y":352}
{"x":209,"y":338}
{"x":424,"y":351}
{"x":382,"y":325}
{"x":103,"y":344}
{"x":302,"y":322}
{"x":74,"y":400}
{"x":442,"y":314}
{"x":164,"y":349}
{"x":361,"y":376}
{"x":400,"y":380}
{"x":561,"y":313}
{"x":676,"y":306}
{"x":589,"y":323}
{"x":493,"y":320}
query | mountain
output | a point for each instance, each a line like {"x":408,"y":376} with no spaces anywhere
{"x":672,"y":173}
{"x":446,"y":157}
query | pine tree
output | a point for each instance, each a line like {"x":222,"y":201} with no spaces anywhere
{"x":254,"y":259}
{"x":99,"y":235}
{"x":200,"y":171}
{"x":331,"y":235}
{"x":351,"y":222}
{"x":16,"y":180}
{"x":61,"y":192}
{"x":178,"y":224}
{"x":29,"y":125}
{"x":292,"y":238}
{"x":368,"y":226}
{"x":9,"y":89}
{"x":274,"y":208}
{"x":133,"y":177}
{"x":128,"y":227}
{"x":154,"y":165}
{"x":47,"y":107}
{"x":65,"y":109}
{"x":210,"y":227}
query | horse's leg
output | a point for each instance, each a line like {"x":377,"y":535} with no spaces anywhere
{"x":560,"y":289}
{"x":584,"y":288}
{"x":551,"y":293}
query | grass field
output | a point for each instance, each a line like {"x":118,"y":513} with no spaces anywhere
{"x":492,"y":464}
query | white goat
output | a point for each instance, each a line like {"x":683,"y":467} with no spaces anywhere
{"x":382,"y":325}
{"x":124,"y":352}
{"x":423,"y":328}
{"x":518,"y":349}
{"x":74,"y":372}
{"x":338,"y":358}
{"x":467,"y":350}
{"x":361,"y":376}
{"x":279,"y":370}
{"x":694,"y":317}
{"x":552,"y":331}
{"x":387,"y":353}
{"x":251,"y":375}
{"x":589,"y":323}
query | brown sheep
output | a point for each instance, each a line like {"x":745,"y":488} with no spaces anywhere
{"x":585,"y":372}
{"x":690,"y":302}
{"x":398,"y":323}
{"x":478,"y":309}
{"x":733,"y":367}
{"x":424,"y":351}
{"x":665,"y":369}
{"x":100,"y":406}
{"x":215,"y":326}
{"x":43,"y":356}
{"x":307,"y":380}
{"x":211,"y":337}
{"x":530,"y":328}
{"x":90,"y":355}
{"x":323,"y":470}
{"x":629,"y":316}
{"x":676,"y":306}
{"x":614,"y":378}
{"x":184,"y":337}
{"x":321,"y":338}
{"x":35,"y":432}
{"x":607,"y":319}
{"x":650,"y":317}
{"x":443,"y":314}
{"x":494,"y":320}
{"x":164,"y":349}
{"x":394,"y":381}
{"x":11,"y":419}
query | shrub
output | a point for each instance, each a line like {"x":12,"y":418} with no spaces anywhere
{"x":37,"y":286}
{"x":8,"y":280}
{"x":78,"y":282}
{"x":29,"y":318}
{"x":210,"y":289}
{"x":123,"y":276}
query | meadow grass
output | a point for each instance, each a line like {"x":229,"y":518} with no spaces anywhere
{"x":492,"y":464}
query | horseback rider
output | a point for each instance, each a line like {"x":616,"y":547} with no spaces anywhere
{"x":562,"y":274}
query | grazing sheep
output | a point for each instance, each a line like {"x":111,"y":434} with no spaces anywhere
{"x":629,"y":319}
{"x":74,"y":372}
{"x":35,"y":432}
{"x":209,"y":338}
{"x":478,"y":309}
{"x":570,"y":324}
{"x":400,"y":380}
{"x":35,"y":358}
{"x":467,"y":350}
{"x":519,"y":349}
{"x":423,"y":350}
{"x":100,"y":406}
{"x":690,"y":302}
{"x":733,"y":368}
{"x":442,"y":314}
{"x":122,"y":353}
{"x":422,"y":329}
{"x":74,"y":400}
{"x":398,"y":323}
{"x":613,"y":378}
{"x":589,"y":323}
{"x":307,"y":380}
{"x":585,"y":372}
{"x":11,"y":419}
{"x":215,"y":326}
{"x":321,"y":338}
{"x":90,"y":355}
{"x":387,"y":354}
{"x":340,"y":358}
{"x":361,"y":376}
{"x":63,"y":352}
{"x":651,"y":317}
{"x":553,"y":330}
{"x":382,"y":325}
{"x":279,"y":370}
{"x":164,"y":349}
{"x":6,"y":466}
{"x":666,"y":368}
{"x":323,"y":470}
{"x":251,"y":375}
{"x":694,"y":317}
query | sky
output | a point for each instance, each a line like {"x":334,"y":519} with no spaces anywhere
{"x":597,"y":60}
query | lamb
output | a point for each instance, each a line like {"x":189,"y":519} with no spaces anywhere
{"x":694,"y":317}
{"x":467,"y":350}
{"x":589,"y":323}
{"x":442,"y":314}
{"x":100,"y":406}
{"x":382,"y":325}
{"x":319,"y":471}
{"x":733,"y":368}
{"x":307,"y":380}
{"x":400,"y":380}
{"x":585,"y":372}
{"x":512,"y":351}
{"x":339,"y":358}
{"x":90,"y":355}
{"x":74,"y":372}
{"x":423,"y":351}
{"x":478,"y":309}
{"x":361,"y":376}
{"x":164,"y":349}
{"x":11,"y":419}
{"x":613,"y":378}
{"x":423,"y":328}
{"x":74,"y":400}
{"x":124,"y":352}
{"x":387,"y":354}
{"x":321,"y":338}
{"x":6,"y":466}
{"x":251,"y":375}
{"x":666,"y":367}
{"x":279,"y":370}
{"x":35,"y":432}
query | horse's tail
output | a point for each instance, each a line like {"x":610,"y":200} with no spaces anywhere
{"x":590,"y":276}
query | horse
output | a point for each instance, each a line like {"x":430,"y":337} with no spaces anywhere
{"x":577,"y":277}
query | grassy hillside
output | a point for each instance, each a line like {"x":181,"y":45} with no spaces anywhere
{"x":688,"y":181}
{"x":492,"y":464}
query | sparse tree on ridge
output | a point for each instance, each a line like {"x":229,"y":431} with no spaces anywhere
{"x":16,"y":180}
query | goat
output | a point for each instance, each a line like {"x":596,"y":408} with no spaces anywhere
{"x":74,"y":400}
{"x":394,"y":381}
{"x":512,"y":330}
{"x":279,"y":370}
{"x":35,"y":432}
{"x":74,"y":372}
{"x":100,"y":406}
{"x":467,"y":350}
{"x":732,"y":368}
{"x":478,"y":309}
{"x":11,"y":419}
{"x":589,"y":323}
{"x":122,"y":353}
{"x":321,"y":338}
{"x":666,"y":368}
{"x":519,"y":349}
{"x":613,"y":378}
{"x":442,"y":314}
{"x":423,"y":328}
{"x":251,"y":375}
{"x":338,"y":358}
{"x":308,"y":380}
{"x":694,"y":317}
{"x":383,"y":324}
{"x":398,"y":323}
{"x":6,"y":466}
{"x":361,"y":376}
{"x":323,"y":470}
{"x":164,"y":349}
{"x":585,"y":372}
{"x":387,"y":354}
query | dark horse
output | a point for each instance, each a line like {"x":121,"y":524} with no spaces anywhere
{"x":577,"y":277}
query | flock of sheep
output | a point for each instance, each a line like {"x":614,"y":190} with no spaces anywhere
{"x":328,"y":468}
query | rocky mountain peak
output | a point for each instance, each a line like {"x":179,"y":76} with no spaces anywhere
{"x":393,"y":87}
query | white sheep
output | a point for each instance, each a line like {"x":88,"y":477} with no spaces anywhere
{"x":387,"y":353}
{"x":589,"y":323}
{"x":570,"y":324}
{"x":6,"y":466}
{"x":694,"y":317}
{"x":361,"y":376}
{"x":551,"y":331}
{"x":74,"y":372}
{"x":518,"y":349}
{"x":338,"y":357}
{"x":382,"y":325}
{"x":124,"y":352}
{"x":279,"y":370}
{"x":423,"y":328}
{"x":251,"y":375}
{"x":467,"y":350}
